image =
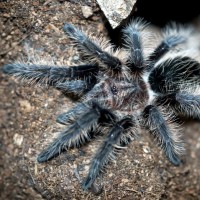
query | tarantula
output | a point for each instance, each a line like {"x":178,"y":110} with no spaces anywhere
{"x":121,"y":91}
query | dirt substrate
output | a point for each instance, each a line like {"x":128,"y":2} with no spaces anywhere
{"x":28,"y":117}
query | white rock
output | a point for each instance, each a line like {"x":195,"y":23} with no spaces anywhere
{"x":87,"y":11}
{"x":18,"y":139}
{"x":116,"y":10}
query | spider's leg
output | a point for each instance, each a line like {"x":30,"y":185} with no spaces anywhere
{"x":164,"y":132}
{"x":66,"y":117}
{"x":78,"y":87}
{"x":76,"y":133}
{"x":133,"y":42}
{"x":50,"y":75}
{"x":108,"y":150}
{"x":173,"y":35}
{"x":91,"y":49}
{"x":173,"y":74}
{"x":183,"y":103}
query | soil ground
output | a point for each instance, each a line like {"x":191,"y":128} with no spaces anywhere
{"x":28,"y":114}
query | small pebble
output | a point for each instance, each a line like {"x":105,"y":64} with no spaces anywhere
{"x":87,"y":11}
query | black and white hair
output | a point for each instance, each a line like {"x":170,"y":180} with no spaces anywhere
{"x":122,"y":90}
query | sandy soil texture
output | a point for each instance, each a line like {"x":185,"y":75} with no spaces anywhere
{"x":28,"y":114}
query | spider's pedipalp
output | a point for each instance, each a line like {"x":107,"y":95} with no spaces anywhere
{"x":75,"y":134}
{"x":78,"y":87}
{"x":108,"y":150}
{"x":182,"y":103}
{"x":66,"y":117}
{"x":91,"y":49}
{"x":164,"y":132}
{"x":49,"y":75}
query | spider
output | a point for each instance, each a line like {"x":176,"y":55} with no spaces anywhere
{"x":121,"y":91}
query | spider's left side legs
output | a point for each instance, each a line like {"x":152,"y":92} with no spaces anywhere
{"x":78,"y":132}
{"x":112,"y":144}
{"x":164,"y":132}
{"x":182,"y":103}
{"x":63,"y":78}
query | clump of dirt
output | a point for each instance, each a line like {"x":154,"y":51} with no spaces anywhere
{"x":28,"y":120}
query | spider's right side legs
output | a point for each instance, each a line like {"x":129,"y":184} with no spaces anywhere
{"x":66,"y":117}
{"x":164,"y":131}
{"x":111,"y":145}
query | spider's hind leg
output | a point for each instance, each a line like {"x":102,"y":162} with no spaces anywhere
{"x":165,"y":132}
{"x":76,"y":133}
{"x":110,"y":147}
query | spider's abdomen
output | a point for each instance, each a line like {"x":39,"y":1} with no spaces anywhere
{"x":172,"y":74}
{"x":122,"y":95}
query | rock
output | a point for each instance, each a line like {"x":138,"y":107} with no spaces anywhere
{"x":116,"y":10}
{"x":18,"y":139}
{"x":25,"y":105}
{"x":87,"y":11}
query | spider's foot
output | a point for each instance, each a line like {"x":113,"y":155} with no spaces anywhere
{"x":87,"y":183}
{"x":73,"y":32}
{"x":45,"y":155}
{"x":8,"y":69}
{"x":175,"y":160}
{"x":173,"y":157}
{"x":49,"y":153}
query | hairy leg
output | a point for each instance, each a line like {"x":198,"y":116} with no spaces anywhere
{"x":91,"y":49}
{"x":76,"y":133}
{"x":133,"y":42}
{"x":59,"y":77}
{"x":164,"y":132}
{"x":173,"y":35}
{"x":183,"y":103}
{"x":51,"y":75}
{"x":108,"y":150}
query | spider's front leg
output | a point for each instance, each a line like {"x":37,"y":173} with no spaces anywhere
{"x":78,"y":132}
{"x":165,"y":132}
{"x":91,"y":49}
{"x":58,"y":77}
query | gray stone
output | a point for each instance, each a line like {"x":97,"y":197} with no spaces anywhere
{"x":116,"y":10}
{"x":87,"y":11}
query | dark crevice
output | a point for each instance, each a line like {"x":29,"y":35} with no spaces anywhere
{"x":158,"y":13}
